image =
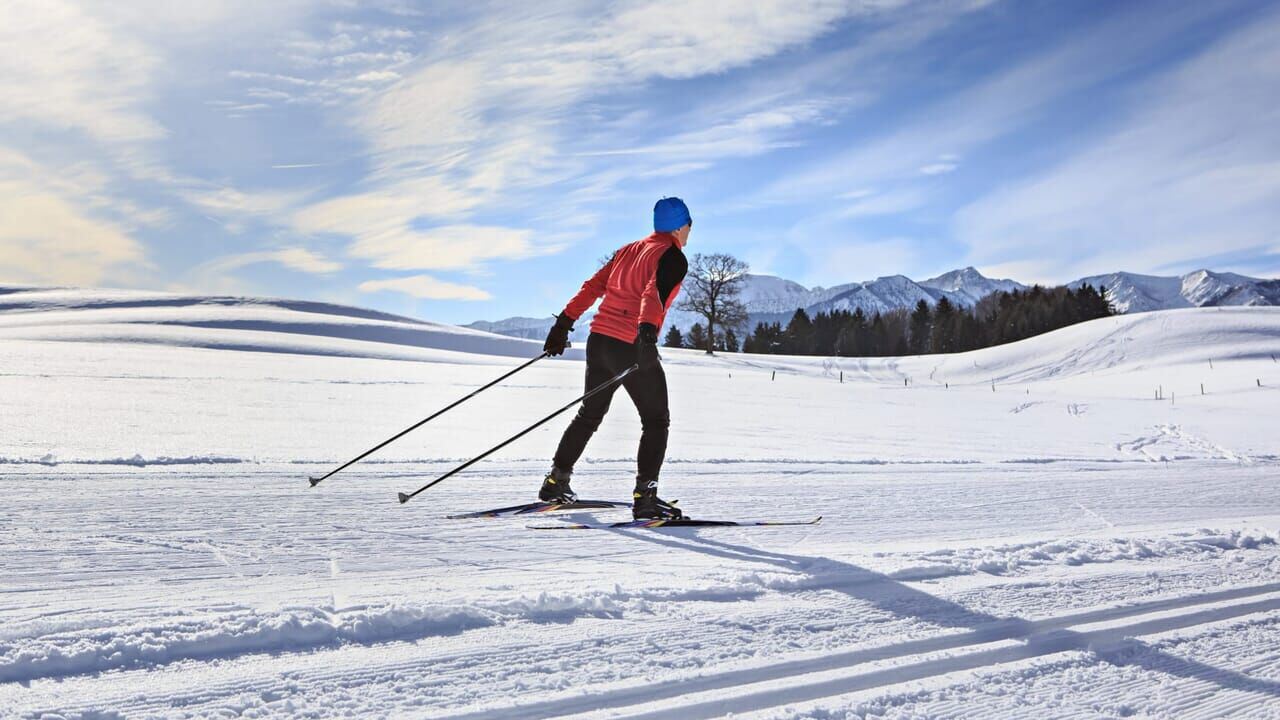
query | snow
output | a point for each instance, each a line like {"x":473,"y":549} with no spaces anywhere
{"x":1130,"y":292}
{"x":970,"y":284}
{"x":1022,"y":531}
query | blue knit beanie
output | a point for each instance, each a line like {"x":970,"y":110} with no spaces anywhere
{"x":670,"y":214}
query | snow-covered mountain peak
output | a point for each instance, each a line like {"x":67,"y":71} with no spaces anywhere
{"x":758,"y":288}
{"x":956,"y":279}
{"x":970,"y":284}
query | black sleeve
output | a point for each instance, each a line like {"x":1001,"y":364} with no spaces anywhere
{"x":672,"y":267}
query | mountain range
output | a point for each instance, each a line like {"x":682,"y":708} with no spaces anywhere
{"x":773,"y":299}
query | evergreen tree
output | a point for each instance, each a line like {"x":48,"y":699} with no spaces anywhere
{"x":941,"y":338}
{"x":697,"y":337}
{"x":799,"y":336}
{"x":826,"y":330}
{"x":859,"y":337}
{"x":878,"y":344}
{"x":730,"y":340}
{"x":897,"y":326}
{"x":921,"y":327}
{"x":674,"y":339}
{"x":968,"y":332}
{"x":769,"y":338}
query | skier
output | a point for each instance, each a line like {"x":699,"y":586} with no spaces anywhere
{"x":639,"y":283}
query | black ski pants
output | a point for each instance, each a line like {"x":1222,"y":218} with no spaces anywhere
{"x":606,"y":357}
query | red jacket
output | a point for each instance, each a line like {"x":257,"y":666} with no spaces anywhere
{"x":639,"y":283}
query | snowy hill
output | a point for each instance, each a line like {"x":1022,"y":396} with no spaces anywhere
{"x":242,"y":323}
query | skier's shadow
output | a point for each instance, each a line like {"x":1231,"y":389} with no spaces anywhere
{"x":898,"y":599}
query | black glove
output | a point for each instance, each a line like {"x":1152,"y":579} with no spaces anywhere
{"x":558,"y":335}
{"x":647,"y":347}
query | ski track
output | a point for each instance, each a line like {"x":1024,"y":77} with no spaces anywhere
{"x":748,"y":689}
{"x":836,"y":616}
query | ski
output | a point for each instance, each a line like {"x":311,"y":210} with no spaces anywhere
{"x":541,"y":507}
{"x":653,"y":524}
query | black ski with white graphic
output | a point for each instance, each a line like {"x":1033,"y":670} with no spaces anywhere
{"x":535,"y":508}
{"x":683,"y":522}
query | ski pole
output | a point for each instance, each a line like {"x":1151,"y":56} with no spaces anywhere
{"x":404,"y":497}
{"x":316,"y":480}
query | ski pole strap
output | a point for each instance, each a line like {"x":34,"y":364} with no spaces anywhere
{"x":404,"y":497}
{"x":317,"y":480}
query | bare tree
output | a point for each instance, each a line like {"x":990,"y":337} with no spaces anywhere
{"x":711,"y":289}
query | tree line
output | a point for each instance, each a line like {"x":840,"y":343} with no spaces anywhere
{"x":714,"y":283}
{"x":999,"y":318}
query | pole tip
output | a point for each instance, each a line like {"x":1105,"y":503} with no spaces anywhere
{"x":314,"y":481}
{"x":403,"y":498}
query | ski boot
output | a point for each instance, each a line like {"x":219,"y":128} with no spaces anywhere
{"x":646,"y":505}
{"x":555,"y":487}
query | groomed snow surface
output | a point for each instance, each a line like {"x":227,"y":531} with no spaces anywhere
{"x":1064,"y":527}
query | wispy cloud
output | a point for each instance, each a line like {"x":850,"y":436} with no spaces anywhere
{"x":294,"y":258}
{"x":425,"y":287}
{"x":1007,"y":101}
{"x":485,"y":117}
{"x":388,"y":227}
{"x":233,"y":208}
{"x":448,"y":247}
{"x":346,"y":61}
{"x":939,"y":168}
{"x":68,"y":69}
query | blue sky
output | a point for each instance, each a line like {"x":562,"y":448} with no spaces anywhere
{"x":459,"y":161}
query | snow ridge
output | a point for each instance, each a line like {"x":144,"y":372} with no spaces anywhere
{"x":296,"y":628}
{"x":137,"y":460}
{"x":1015,"y":558}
